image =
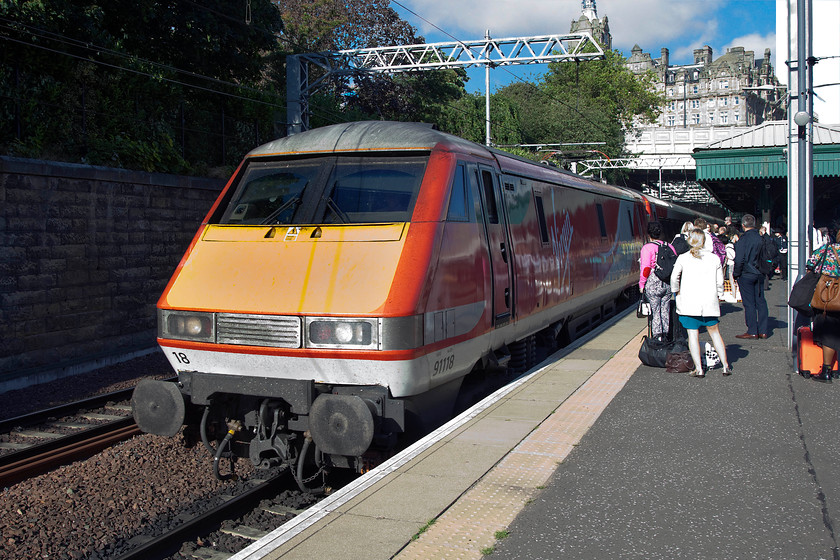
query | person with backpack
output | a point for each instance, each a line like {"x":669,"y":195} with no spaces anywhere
{"x":697,"y":281}
{"x":680,"y":242}
{"x":655,"y":265}
{"x":751,"y":280}
{"x":712,"y":243}
{"x":782,"y":246}
{"x":767,"y":256}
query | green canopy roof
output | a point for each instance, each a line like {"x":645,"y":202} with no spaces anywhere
{"x":760,"y":153}
{"x":761,"y":163}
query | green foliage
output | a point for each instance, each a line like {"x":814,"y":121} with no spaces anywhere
{"x":579,"y":102}
{"x":161,"y":86}
{"x":423,"y":529}
{"x":189,"y":87}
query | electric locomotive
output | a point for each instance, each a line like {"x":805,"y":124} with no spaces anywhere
{"x":348,"y":278}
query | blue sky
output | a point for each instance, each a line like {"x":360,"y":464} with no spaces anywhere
{"x":679,"y":25}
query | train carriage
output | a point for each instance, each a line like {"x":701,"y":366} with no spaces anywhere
{"x":348,"y":278}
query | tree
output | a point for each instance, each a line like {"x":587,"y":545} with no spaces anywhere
{"x":161,"y":85}
{"x":333,"y":25}
{"x":593,"y":101}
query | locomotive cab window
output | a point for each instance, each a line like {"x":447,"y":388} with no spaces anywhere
{"x":326,"y":190}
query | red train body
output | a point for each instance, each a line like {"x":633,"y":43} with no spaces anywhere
{"x":349,"y":278}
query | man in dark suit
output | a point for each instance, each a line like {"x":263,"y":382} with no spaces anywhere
{"x":751,"y":280}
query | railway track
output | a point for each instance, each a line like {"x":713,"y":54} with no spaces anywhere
{"x":35,"y":443}
{"x":225,"y":529}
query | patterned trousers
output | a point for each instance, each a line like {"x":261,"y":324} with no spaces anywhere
{"x":659,"y":294}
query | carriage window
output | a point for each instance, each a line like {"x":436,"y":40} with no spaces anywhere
{"x":541,"y":218}
{"x":458,"y":209}
{"x":601,"y":221}
{"x":489,"y":197}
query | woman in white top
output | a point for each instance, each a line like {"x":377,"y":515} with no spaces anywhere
{"x":697,"y":281}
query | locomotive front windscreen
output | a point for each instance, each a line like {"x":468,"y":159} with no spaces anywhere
{"x":325,"y":190}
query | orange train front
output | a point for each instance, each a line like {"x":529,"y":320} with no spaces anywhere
{"x":349,"y":278}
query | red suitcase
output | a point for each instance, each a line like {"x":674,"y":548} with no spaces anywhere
{"x":810,"y":357}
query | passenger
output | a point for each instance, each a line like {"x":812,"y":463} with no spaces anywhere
{"x":771,"y":246}
{"x":713,"y":244}
{"x":697,"y":281}
{"x":782,"y":246}
{"x":750,"y":280}
{"x":657,"y":291}
{"x":730,"y":266}
{"x":827,"y":323}
{"x":722,"y":235}
{"x":680,"y":242}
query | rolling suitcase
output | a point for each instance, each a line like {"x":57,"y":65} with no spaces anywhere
{"x":809,"y":355}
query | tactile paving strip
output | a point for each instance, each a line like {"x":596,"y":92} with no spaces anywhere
{"x":467,"y":529}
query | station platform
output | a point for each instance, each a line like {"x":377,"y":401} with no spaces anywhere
{"x":593,"y":455}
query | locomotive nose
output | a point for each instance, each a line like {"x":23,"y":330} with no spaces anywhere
{"x":158,"y":407}
{"x":341,"y":424}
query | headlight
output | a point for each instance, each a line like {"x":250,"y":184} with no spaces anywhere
{"x":342,"y":333}
{"x":186,"y":325}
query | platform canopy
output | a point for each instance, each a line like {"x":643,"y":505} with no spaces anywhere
{"x":751,"y":167}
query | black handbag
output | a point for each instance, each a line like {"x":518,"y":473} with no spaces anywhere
{"x":654,"y":352}
{"x":803,"y":290}
{"x":643,"y":309}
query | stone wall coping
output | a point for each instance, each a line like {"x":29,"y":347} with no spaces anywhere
{"x":25,"y":166}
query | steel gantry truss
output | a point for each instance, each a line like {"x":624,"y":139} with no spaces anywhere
{"x":685,"y":191}
{"x":486,"y":52}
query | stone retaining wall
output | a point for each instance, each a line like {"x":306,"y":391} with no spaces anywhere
{"x":85,"y":252}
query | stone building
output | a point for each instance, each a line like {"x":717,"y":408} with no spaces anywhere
{"x":589,"y":21}
{"x":732,"y":90}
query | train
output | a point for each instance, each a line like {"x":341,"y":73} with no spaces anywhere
{"x":348,"y":279}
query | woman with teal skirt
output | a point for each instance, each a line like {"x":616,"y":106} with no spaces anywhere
{"x":697,"y":281}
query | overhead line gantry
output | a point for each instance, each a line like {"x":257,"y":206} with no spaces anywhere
{"x":486,"y":52}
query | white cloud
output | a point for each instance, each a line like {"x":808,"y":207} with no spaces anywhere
{"x":757,"y":43}
{"x":652,"y":22}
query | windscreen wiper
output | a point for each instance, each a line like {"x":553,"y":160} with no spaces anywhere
{"x":283,"y":207}
{"x":345,"y":219}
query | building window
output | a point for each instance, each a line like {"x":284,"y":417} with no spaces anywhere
{"x":670,"y":91}
{"x":711,"y":118}
{"x":672,"y":105}
{"x":672,"y":120}
{"x":695,"y":118}
{"x":724,"y":102}
{"x":724,"y":84}
{"x":737,"y":101}
{"x":724,"y":118}
{"x":695,"y":89}
{"x":695,"y":103}
{"x":737,"y":117}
